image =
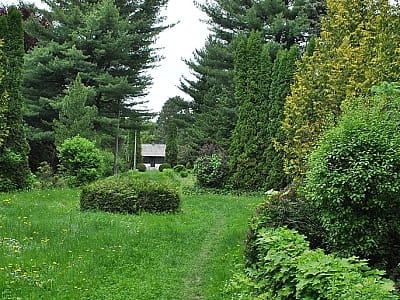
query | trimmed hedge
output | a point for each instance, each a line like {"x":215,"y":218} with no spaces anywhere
{"x":287,"y":269}
{"x":130,"y":195}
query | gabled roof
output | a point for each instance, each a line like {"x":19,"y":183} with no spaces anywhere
{"x":155,"y":150}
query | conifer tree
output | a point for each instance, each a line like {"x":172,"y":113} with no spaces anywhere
{"x":253,"y":66}
{"x":3,"y":103}
{"x":282,"y":77}
{"x":171,"y":149}
{"x":356,"y":50}
{"x":75,"y":118}
{"x":14,"y":169}
{"x":109,"y":42}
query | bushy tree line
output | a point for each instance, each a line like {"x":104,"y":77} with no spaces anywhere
{"x":109,"y":43}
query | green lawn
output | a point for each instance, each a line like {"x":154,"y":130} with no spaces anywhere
{"x":49,"y":249}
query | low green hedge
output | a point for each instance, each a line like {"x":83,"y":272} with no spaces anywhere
{"x":130,"y":195}
{"x":287,"y":269}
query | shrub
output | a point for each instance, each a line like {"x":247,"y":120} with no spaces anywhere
{"x":130,"y":195}
{"x":164,"y":166}
{"x":211,"y":170}
{"x":285,"y":208}
{"x":354,"y":180}
{"x":179,"y":168}
{"x":184,"y":174}
{"x":141,"y":167}
{"x":108,"y":158}
{"x":287,"y":269}
{"x":81,"y":159}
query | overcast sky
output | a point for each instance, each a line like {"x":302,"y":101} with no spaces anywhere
{"x":178,"y":43}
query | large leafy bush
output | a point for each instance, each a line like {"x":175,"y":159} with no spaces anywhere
{"x":211,"y":170}
{"x":284,"y":208}
{"x":81,"y":159}
{"x":354,"y":179}
{"x":286,"y":269}
{"x":130,"y":195}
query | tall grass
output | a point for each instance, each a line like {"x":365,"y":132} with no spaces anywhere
{"x":49,"y":249}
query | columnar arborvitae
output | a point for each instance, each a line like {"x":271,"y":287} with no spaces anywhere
{"x":171,"y":151}
{"x":282,"y":77}
{"x":14,"y":169}
{"x":252,"y":80}
{"x":3,"y":103}
{"x":358,"y":48}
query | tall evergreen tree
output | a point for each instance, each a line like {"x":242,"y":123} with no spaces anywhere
{"x":14,"y":169}
{"x":284,"y":22}
{"x":356,"y":50}
{"x":171,"y":149}
{"x":3,"y":103}
{"x":109,"y":43}
{"x":282,"y":78}
{"x":75,"y":118}
{"x":253,"y":66}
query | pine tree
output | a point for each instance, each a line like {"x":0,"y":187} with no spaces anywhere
{"x":75,"y":118}
{"x":356,"y":50}
{"x":109,"y":43}
{"x":284,"y":22}
{"x":14,"y":169}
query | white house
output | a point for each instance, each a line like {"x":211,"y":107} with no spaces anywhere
{"x":153,"y":155}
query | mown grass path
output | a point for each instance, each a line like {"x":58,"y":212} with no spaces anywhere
{"x":49,"y":249}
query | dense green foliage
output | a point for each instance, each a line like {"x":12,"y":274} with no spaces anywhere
{"x":75,"y":118}
{"x":212,"y":91}
{"x":171,"y":147}
{"x":253,"y":66}
{"x":3,"y":102}
{"x":211,"y":170}
{"x":130,"y":195}
{"x":353,"y":179}
{"x":141,"y":167}
{"x":164,"y":166}
{"x":285,"y":208}
{"x":82,"y":161}
{"x":14,"y":149}
{"x":287,"y":269}
{"x":110,"y":44}
{"x":263,"y":75}
{"x":357,"y":49}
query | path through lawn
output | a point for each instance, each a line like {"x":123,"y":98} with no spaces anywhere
{"x":51,"y":250}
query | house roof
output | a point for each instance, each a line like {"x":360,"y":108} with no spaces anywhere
{"x":154,"y":150}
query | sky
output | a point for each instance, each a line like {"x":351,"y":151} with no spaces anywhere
{"x":177,"y":43}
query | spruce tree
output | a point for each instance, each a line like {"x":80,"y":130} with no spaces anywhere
{"x":110,"y":44}
{"x":14,"y":169}
{"x":356,"y":50}
{"x":75,"y":118}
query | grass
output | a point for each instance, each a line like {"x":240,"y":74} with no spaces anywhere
{"x":49,"y":249}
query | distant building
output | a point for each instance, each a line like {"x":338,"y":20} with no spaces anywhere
{"x":153,"y":155}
